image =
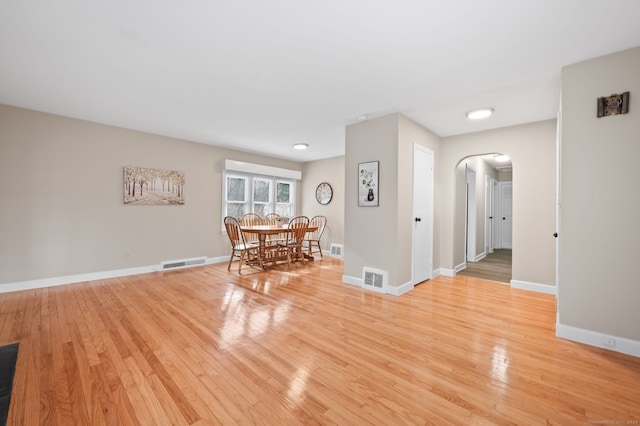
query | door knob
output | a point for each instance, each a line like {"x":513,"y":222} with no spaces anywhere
{"x":417,"y":219}
{"x":555,"y":234}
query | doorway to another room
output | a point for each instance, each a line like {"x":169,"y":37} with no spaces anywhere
{"x":487,"y":221}
{"x":496,"y":266}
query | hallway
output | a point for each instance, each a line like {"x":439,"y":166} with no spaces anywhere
{"x":495,"y":267}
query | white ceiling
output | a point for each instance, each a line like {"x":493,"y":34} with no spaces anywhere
{"x":500,"y":166}
{"x":260,"y":76}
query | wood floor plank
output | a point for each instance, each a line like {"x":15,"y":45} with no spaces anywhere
{"x":297,"y":346}
{"x":197,"y":394}
{"x":116,"y":407}
{"x":61,"y":406}
{"x":76,"y":392}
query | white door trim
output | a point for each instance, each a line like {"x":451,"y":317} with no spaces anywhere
{"x":471,"y":214}
{"x":489,"y":214}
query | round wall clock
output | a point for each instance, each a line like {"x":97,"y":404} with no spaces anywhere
{"x":324,"y":193}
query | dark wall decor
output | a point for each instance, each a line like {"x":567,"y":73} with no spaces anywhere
{"x":368,"y":184}
{"x":613,"y":105}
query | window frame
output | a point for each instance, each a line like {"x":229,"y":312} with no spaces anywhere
{"x":291,"y":203}
{"x":270,"y":194}
{"x":249,"y":203}
{"x":225,"y":192}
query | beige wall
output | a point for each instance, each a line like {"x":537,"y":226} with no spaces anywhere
{"x":66,"y":213}
{"x":598,"y":286}
{"x":329,"y":170}
{"x":532,"y":151}
{"x":62,"y":210}
{"x":370,"y":233}
{"x":381,"y":237}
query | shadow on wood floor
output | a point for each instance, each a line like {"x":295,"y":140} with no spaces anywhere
{"x":495,"y":267}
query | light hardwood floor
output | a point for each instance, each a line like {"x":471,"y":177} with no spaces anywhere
{"x":297,"y":346}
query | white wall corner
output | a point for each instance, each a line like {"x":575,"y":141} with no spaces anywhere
{"x":437,"y":272}
{"x":481,"y":256}
{"x":539,"y":288}
{"x":447,"y":272}
{"x":460,"y":267}
{"x":594,"y":338}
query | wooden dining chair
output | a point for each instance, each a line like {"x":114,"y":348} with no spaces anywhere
{"x":273,"y":220}
{"x":251,"y":219}
{"x":272,"y":217}
{"x":313,"y":237}
{"x":292,"y":247}
{"x":246,"y":252}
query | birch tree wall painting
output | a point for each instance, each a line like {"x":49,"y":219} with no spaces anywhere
{"x":153,"y":186}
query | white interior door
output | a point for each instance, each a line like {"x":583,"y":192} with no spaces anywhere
{"x":506,"y":214}
{"x":422,"y":244}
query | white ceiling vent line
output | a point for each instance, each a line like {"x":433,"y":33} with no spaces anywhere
{"x":375,"y":279}
{"x":337,"y":250}
{"x":182,"y":263}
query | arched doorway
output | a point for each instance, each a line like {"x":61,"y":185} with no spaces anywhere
{"x":483,"y":216}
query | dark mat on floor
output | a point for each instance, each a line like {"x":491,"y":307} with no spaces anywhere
{"x":8,"y":357}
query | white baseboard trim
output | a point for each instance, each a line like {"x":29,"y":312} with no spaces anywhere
{"x":352,"y":280}
{"x":540,"y":288}
{"x":436,"y":272}
{"x":451,"y":272}
{"x":91,"y":276}
{"x":593,"y":338}
{"x":392,"y":290}
{"x":447,"y":272}
{"x":480,"y":256}
{"x":71,"y":279}
{"x":401,"y":289}
{"x":219,"y":259}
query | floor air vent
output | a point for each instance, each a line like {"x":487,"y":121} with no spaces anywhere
{"x":336,"y":250}
{"x":182,"y":263}
{"x":374,"y":279}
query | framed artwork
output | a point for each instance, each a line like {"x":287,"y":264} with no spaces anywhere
{"x":153,"y":186}
{"x":613,"y":105}
{"x":368,"y":184}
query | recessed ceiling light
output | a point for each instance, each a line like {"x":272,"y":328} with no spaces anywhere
{"x":300,"y":146}
{"x":480,"y":113}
